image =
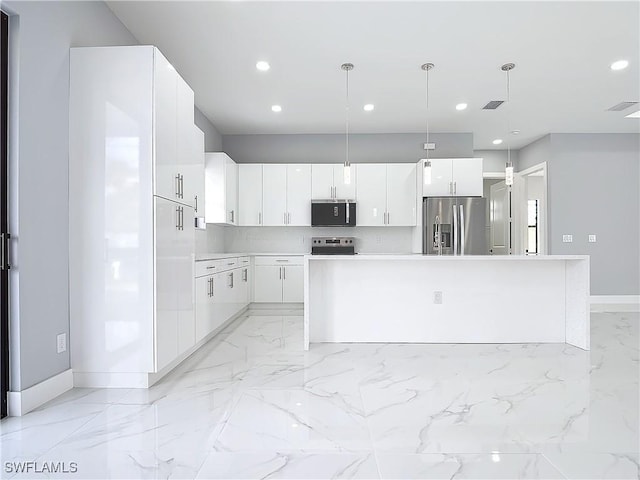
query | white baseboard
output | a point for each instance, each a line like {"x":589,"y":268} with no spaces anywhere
{"x":21,"y":403}
{"x":615,"y":303}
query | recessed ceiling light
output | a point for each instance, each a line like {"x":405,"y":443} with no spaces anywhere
{"x":369,"y":107}
{"x":497,"y":141}
{"x":515,"y":132}
{"x":461,"y":106}
{"x":263,"y":66}
{"x":633,"y":115}
{"x":276,"y":108}
{"x":619,"y":65}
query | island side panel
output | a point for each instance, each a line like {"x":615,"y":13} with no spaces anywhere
{"x":578,"y":309}
{"x":484,"y":301}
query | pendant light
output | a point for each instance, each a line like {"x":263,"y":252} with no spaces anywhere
{"x":508,"y":171}
{"x":347,"y":67}
{"x":426,"y":174}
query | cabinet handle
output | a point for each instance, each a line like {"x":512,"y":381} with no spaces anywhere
{"x":280,"y":260}
{"x":388,"y":218}
{"x":245,"y":275}
{"x":231,"y":280}
{"x":259,"y":218}
{"x":196,"y":197}
{"x":177,"y":185}
{"x":284,"y":273}
{"x":181,"y":186}
{"x":288,"y":218}
{"x":230,"y":264}
{"x":210,"y":267}
{"x":177,"y":218}
{"x":181,"y":218}
{"x":455,"y":188}
{"x":280,"y":273}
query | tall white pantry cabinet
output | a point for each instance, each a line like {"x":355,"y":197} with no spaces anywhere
{"x":133,"y":169}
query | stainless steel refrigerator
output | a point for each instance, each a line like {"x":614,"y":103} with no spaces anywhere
{"x":454,"y":226}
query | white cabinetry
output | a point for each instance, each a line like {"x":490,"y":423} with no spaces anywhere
{"x":327,"y":182}
{"x":454,"y":177}
{"x":131,"y":219}
{"x":278,"y":279}
{"x":286,"y":193}
{"x":386,"y":194}
{"x":250,"y":194}
{"x":197,"y":145}
{"x":221,"y":189}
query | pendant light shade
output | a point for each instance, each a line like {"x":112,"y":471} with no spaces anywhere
{"x":508,"y":170}
{"x":347,"y":67}
{"x":426,"y":174}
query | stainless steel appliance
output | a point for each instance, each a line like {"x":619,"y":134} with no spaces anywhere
{"x":333,"y":213}
{"x":333,"y":246}
{"x":453,"y":226}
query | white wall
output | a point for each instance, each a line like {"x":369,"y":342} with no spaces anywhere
{"x":39,"y":210}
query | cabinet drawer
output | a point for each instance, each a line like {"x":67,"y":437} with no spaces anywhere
{"x":209,"y":267}
{"x":244,"y":261}
{"x":206,"y":267}
{"x":284,"y":260}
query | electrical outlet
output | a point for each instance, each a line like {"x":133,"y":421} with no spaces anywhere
{"x":567,"y":238}
{"x":592,"y":239}
{"x":437,"y":297}
{"x":378,"y":239}
{"x":61,"y":342}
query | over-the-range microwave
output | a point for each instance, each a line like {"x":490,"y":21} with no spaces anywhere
{"x":333,"y":213}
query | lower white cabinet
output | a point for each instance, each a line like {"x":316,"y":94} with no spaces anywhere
{"x":278,"y":279}
{"x":222,"y":290}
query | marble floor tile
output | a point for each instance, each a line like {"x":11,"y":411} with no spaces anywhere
{"x":598,"y":466}
{"x":460,"y":466}
{"x":290,"y":465}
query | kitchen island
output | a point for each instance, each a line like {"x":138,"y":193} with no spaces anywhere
{"x":446,"y":299}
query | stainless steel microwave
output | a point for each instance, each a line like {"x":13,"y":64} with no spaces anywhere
{"x":333,"y":213}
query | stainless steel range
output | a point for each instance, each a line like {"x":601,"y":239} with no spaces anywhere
{"x":333,"y":246}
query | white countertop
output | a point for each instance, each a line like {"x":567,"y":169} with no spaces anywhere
{"x":217,"y":256}
{"x":439,"y":258}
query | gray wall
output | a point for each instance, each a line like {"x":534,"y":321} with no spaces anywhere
{"x":330,"y":148}
{"x":212,"y":138}
{"x":39,"y":183}
{"x":594,"y":188}
{"x":495,"y":160}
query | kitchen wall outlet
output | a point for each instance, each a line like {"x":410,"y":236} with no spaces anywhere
{"x":429,"y":146}
{"x":437,"y":297}
{"x":378,"y":239}
{"x":592,"y":239}
{"x":61,"y":341}
{"x":567,"y":238}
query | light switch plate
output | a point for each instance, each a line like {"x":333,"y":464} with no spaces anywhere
{"x":437,"y":297}
{"x":61,"y":342}
{"x":567,"y":238}
{"x":592,"y":239}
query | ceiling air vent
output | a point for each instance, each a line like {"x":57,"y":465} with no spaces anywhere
{"x":621,"y":106}
{"x":493,"y":104}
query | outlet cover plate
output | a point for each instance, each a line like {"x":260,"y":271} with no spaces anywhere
{"x":437,"y":297}
{"x":592,"y":239}
{"x":61,"y":342}
{"x":567,"y":238}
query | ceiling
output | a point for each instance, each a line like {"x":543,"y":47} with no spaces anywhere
{"x":562,"y":82}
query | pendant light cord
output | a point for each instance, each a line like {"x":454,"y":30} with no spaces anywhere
{"x":346,"y":162}
{"x":427,"y":105}
{"x":508,"y":125}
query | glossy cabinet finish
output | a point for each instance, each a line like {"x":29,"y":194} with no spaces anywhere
{"x":250,"y":194}
{"x":454,"y":177}
{"x":298,"y":195}
{"x":293,"y":283}
{"x":132,"y":158}
{"x":401,"y":194}
{"x":274,"y":194}
{"x":327,"y":182}
{"x":197,"y":146}
{"x":221,"y":189}
{"x":278,"y":279}
{"x":371,"y":203}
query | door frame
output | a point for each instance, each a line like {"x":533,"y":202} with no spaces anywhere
{"x":4,"y":160}
{"x":540,"y":170}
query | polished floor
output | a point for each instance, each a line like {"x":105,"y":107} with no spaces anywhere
{"x":253,"y":404}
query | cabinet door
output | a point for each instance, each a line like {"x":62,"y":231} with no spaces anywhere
{"x":343,"y":190}
{"x":250,"y":194}
{"x":293,"y":283}
{"x":267,"y":284}
{"x":166,"y":299}
{"x":184,"y":142}
{"x":467,"y":177}
{"x":401,"y":194}
{"x":231,"y":185}
{"x":215,"y":194}
{"x":220,"y":300}
{"x":198,"y":160}
{"x":274,"y":194}
{"x":166,"y":163}
{"x":184,"y":248}
{"x":299,"y":195}
{"x":322,"y":181}
{"x":204,"y":289}
{"x":441,"y":178}
{"x":371,"y":186}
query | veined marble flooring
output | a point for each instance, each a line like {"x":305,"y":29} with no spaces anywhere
{"x":253,"y":404}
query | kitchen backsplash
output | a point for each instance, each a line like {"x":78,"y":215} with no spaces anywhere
{"x":298,"y":239}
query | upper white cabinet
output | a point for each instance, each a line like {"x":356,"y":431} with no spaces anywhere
{"x":132,"y":159}
{"x":286,"y":193}
{"x":221,"y":189}
{"x":454,"y":177}
{"x":386,"y":194}
{"x":197,"y":146}
{"x":327,"y":182}
{"x":250,"y":194}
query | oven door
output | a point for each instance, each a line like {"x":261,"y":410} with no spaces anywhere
{"x":333,"y":214}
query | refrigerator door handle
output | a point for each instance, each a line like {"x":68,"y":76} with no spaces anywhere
{"x":455,"y":230}
{"x":461,"y":230}
{"x":347,"y":209}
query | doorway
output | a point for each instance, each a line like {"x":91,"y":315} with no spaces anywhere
{"x":4,"y":236}
{"x":531,"y":203}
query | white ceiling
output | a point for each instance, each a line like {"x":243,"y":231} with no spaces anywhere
{"x":562,"y":82}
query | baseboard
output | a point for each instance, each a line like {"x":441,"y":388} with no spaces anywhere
{"x":615,"y":303}
{"x":276,"y":308}
{"x":21,"y":403}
